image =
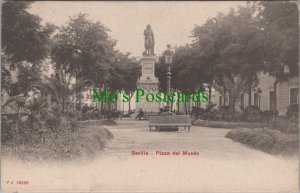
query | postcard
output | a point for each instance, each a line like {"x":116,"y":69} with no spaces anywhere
{"x":150,"y":96}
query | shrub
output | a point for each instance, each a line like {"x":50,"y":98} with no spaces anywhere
{"x":293,"y":112}
{"x":91,"y":115}
{"x":85,"y":109}
{"x":50,"y":136}
{"x":267,"y":140}
{"x":74,"y":124}
{"x":254,"y":114}
{"x":229,"y":125}
{"x":252,"y":108}
{"x":66,"y":146}
{"x":251,"y":114}
{"x":285,"y":125}
{"x":293,"y":108}
{"x":53,"y":122}
{"x":204,"y":113}
{"x":224,"y":113}
{"x":97,"y":122}
{"x":8,"y":130}
{"x":75,"y":115}
{"x":267,"y":115}
{"x":42,"y":132}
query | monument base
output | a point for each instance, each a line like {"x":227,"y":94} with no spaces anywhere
{"x":149,"y":84}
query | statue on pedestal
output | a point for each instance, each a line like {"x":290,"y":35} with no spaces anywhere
{"x":149,"y":41}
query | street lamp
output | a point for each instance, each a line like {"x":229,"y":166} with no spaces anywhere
{"x":168,"y":60}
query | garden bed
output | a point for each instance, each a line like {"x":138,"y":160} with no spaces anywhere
{"x":83,"y":142}
{"x":228,"y":125}
{"x":97,"y":122}
{"x":267,"y":140}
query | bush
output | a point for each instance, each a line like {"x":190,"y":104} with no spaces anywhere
{"x":84,"y":142}
{"x":293,"y":108}
{"x":229,"y":125}
{"x":293,"y":112}
{"x":254,"y":114}
{"x":51,"y":136}
{"x":53,"y":122}
{"x":267,"y":115}
{"x":91,"y":115}
{"x":204,"y":113}
{"x":74,"y":115}
{"x":267,"y":140}
{"x":8,"y":130}
{"x":285,"y":125}
{"x":251,"y":114}
{"x":224,"y":113}
{"x":97,"y":122}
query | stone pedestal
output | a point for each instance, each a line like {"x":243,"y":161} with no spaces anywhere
{"x":149,"y":83}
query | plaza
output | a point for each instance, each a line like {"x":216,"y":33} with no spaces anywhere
{"x":220,"y":165}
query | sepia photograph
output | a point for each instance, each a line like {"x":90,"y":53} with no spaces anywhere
{"x":149,"y":96}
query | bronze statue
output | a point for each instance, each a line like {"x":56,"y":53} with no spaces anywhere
{"x":149,"y":41}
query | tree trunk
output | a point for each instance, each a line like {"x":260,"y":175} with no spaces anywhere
{"x":129,"y":106}
{"x":101,"y":104}
{"x":189,"y":111}
{"x":185,"y":107}
{"x":249,"y":96}
{"x":129,"y":103}
{"x":275,"y":107}
{"x":109,"y":109}
{"x":209,"y":94}
{"x":232,"y":104}
{"x":101,"y":108}
{"x":224,"y":100}
{"x":78,"y":94}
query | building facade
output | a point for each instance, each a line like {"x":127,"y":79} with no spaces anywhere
{"x":264,"y":96}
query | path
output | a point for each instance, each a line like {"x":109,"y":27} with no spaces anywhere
{"x":222,"y":165}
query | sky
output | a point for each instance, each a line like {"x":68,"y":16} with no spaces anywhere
{"x":172,"y":22}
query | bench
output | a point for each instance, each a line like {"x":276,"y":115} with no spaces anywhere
{"x":169,"y":121}
{"x":149,"y":114}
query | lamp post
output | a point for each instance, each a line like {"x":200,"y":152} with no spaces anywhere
{"x":168,"y":60}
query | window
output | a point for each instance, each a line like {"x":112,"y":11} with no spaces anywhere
{"x":242,"y":101}
{"x":272,"y":100}
{"x":294,"y":96}
{"x":220,"y":101}
{"x":255,"y":99}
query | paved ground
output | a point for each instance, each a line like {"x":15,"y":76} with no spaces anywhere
{"x":221,"y":166}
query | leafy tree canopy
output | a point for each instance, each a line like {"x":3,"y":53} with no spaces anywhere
{"x":23,"y":36}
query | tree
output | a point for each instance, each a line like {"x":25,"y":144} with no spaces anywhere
{"x":125,"y":74}
{"x":186,"y":73}
{"x":280,"y":23}
{"x":23,"y":36}
{"x":231,"y":47}
{"x":61,"y":91}
{"x":84,"y":50}
{"x":131,"y":78}
{"x":25,"y":43}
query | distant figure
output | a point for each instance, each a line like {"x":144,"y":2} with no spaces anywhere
{"x":140,"y":114}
